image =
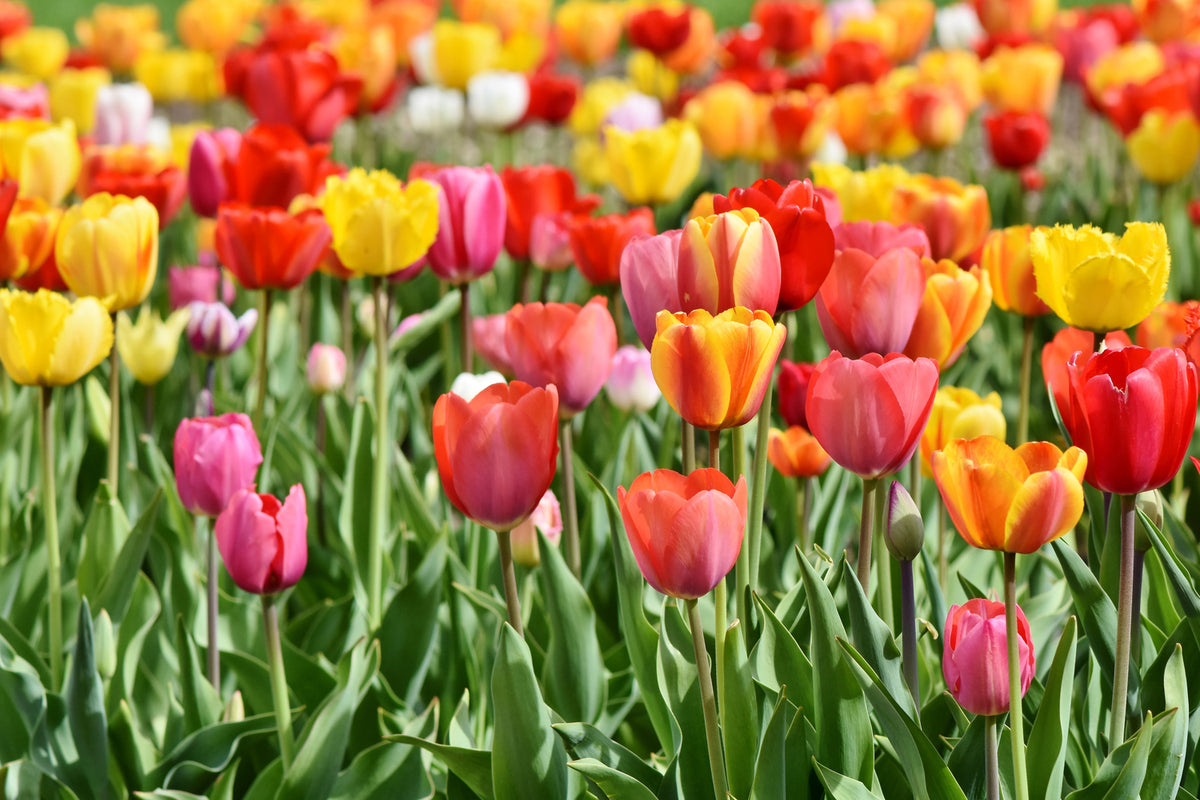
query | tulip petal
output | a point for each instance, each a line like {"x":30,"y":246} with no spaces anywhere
{"x":1047,"y":505}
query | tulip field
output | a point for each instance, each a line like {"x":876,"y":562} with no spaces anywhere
{"x":639,"y":400}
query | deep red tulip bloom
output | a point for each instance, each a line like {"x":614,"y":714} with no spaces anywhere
{"x":268,"y":248}
{"x":869,"y":413}
{"x":868,"y":304}
{"x":1126,"y":105}
{"x":787,"y":25}
{"x":498,"y":453}
{"x":742,"y":48}
{"x":563,"y":344}
{"x":1016,"y":139}
{"x":215,"y":457}
{"x":685,"y":530}
{"x":1059,"y":350}
{"x":530,"y":191}
{"x":793,"y":392}
{"x":975,"y":655}
{"x":1133,"y":412}
{"x":660,"y":30}
{"x":650,"y":280}
{"x":264,"y":543}
{"x":274,"y":164}
{"x":876,"y":238}
{"x":796,"y":214}
{"x":552,"y":98}
{"x":301,"y":88}
{"x":854,"y":61}
{"x":597,"y":242}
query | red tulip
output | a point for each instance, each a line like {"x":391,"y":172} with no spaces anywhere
{"x":659,"y":30}
{"x":1059,"y":350}
{"x":597,"y":242}
{"x":215,"y":457}
{"x":552,"y":98}
{"x":134,"y":171}
{"x":274,"y":164}
{"x":869,"y":413}
{"x":530,"y":191}
{"x":793,"y":392}
{"x":563,"y":344}
{"x":787,"y":25}
{"x":264,"y":543}
{"x":876,"y":238}
{"x":685,"y":531}
{"x":650,"y":280}
{"x":975,"y":655}
{"x":1133,"y":412}
{"x":497,"y":454}
{"x":268,"y":248}
{"x":300,"y":88}
{"x":869,"y":305}
{"x":1016,"y":140}
{"x":854,"y":61}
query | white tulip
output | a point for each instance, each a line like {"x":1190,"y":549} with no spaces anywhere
{"x":497,"y":99}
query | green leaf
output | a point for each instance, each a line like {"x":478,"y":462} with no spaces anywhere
{"x":573,"y":672}
{"x":616,"y":785}
{"x":354,"y":515}
{"x":1051,"y":731}
{"x":585,"y":742}
{"x":22,"y":702}
{"x":116,"y":588}
{"x":104,"y":534}
{"x":201,"y":705}
{"x":410,"y":625}
{"x":778,"y":660}
{"x":740,"y":720}
{"x":163,"y":476}
{"x":387,"y":771}
{"x":528,"y":759}
{"x":841,"y":787}
{"x":1122,"y":773}
{"x":967,"y":756}
{"x":473,"y":767}
{"x":681,"y":684}
{"x":1165,"y":767}
{"x":873,"y":638}
{"x":196,"y":760}
{"x":770,"y":779}
{"x":1094,"y":608}
{"x":840,"y":709}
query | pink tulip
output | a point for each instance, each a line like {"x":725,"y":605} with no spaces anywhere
{"x":187,"y":285}
{"x":868,"y":304}
{"x":215,"y":457}
{"x":18,"y":103}
{"x":975,"y":656}
{"x":876,"y":238}
{"x":489,"y":338}
{"x":869,"y":413}
{"x":631,"y":385}
{"x":546,"y":519}
{"x":210,"y":169}
{"x":728,"y":260}
{"x":325,"y":368}
{"x":550,"y":241}
{"x":471,"y":217}
{"x":264,"y":543}
{"x":650,"y":280}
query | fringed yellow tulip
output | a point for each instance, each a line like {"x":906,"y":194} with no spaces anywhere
{"x":40,"y":52}
{"x":952,"y":310}
{"x":149,"y":346}
{"x":1098,"y":281}
{"x":1164,"y":147}
{"x":960,"y":414}
{"x":379,"y":226}
{"x":866,"y":195}
{"x":107,"y":248}
{"x":73,"y":95}
{"x":46,"y":340}
{"x":43,"y":158}
{"x":1010,"y":500}
{"x":653,"y":166}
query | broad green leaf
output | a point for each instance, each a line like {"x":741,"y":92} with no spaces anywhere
{"x":967,"y":758}
{"x":1122,"y":773}
{"x":22,"y":702}
{"x":842,"y":787}
{"x":585,"y":742}
{"x":1165,"y":767}
{"x":410,"y":626}
{"x":473,"y":767}
{"x":680,"y":679}
{"x":195,"y":761}
{"x":770,"y":779}
{"x":116,"y":588}
{"x":201,"y":705}
{"x":131,"y":752}
{"x":354,"y":515}
{"x":740,"y":720}
{"x":387,"y":771}
{"x":104,"y":535}
{"x":778,"y":660}
{"x":573,"y":673}
{"x":875,"y":641}
{"x":1093,"y":607}
{"x":1051,"y":730}
{"x":616,"y":785}
{"x":163,"y":476}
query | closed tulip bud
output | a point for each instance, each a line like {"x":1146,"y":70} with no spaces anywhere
{"x":325,"y":368}
{"x":796,"y":453}
{"x":39,"y":51}
{"x":73,"y":94}
{"x":107,"y":248}
{"x":546,"y":519}
{"x":497,"y":99}
{"x":729,"y":260}
{"x":631,"y":387}
{"x":210,"y":169}
{"x":974,"y":657}
{"x":215,"y":457}
{"x":148,"y":348}
{"x":470,"y":223}
{"x":433,"y":110}
{"x":905,"y":530}
{"x":1150,"y":504}
{"x":47,"y":340}
{"x":235,"y":709}
{"x":123,"y":113}
{"x":653,"y":166}
{"x":264,"y":543}
{"x":938,"y":117}
{"x":467,"y":385}
{"x":214,"y":332}
{"x":42,"y":157}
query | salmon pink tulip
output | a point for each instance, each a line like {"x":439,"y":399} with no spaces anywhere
{"x":876,"y":238}
{"x":869,"y":304}
{"x":532,"y":191}
{"x":264,"y":543}
{"x":650,"y":280}
{"x":975,"y":656}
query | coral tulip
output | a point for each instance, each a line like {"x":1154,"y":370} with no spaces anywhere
{"x":1170,"y":324}
{"x":729,"y":260}
{"x":471,"y":219}
{"x":869,"y":305}
{"x":654,"y":166}
{"x":1009,"y":266}
{"x":588,"y":31}
{"x":877,"y":238}
{"x":497,"y":454}
{"x":956,"y":216}
{"x":650,"y":280}
{"x":685,"y":530}
{"x":107,"y":248}
{"x":149,"y":346}
{"x":597,"y":243}
{"x":869,"y":413}
{"x":1017,"y":139}
{"x":264,"y":543}
{"x":215,"y":458}
{"x":714,"y":371}
{"x":953,"y":308}
{"x":47,"y":340}
{"x":796,"y":453}
{"x":378,"y":226}
{"x":975,"y":660}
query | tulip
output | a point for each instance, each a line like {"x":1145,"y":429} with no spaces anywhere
{"x":598,"y":243}
{"x":973,"y":660}
{"x":1022,"y":79}
{"x":28,"y":237}
{"x":107,"y":247}
{"x":149,"y":347}
{"x":792,"y":386}
{"x":550,"y":241}
{"x":958,"y":70}
{"x":489,"y":335}
{"x":714,"y":371}
{"x":380,"y":227}
{"x":433,"y":110}
{"x":1017,"y":139}
{"x":18,"y":102}
{"x":653,"y":166}
{"x":497,"y":99}
{"x":869,"y":305}
{"x":1164,"y":148}
{"x":796,"y":453}
{"x":179,"y":76}
{"x":264,"y":543}
{"x":877,"y":238}
{"x":325,"y":368}
{"x":533,"y":191}
{"x":1007,"y":260}
{"x":462,"y":50}
{"x":789,"y":28}
{"x":213,"y":26}
{"x":187,"y":285}
{"x":134,"y":171}
{"x":267,"y":248}
{"x":122,"y":114}
{"x":552,"y":98}
{"x":370,"y":53}
{"x":630,"y":386}
{"x":1098,"y":281}
{"x":303,"y":89}
{"x":953,"y":308}
{"x":43,"y":158}
{"x":46,"y":277}
{"x":852,"y":61}
{"x":546,"y":519}
{"x":1170,"y":324}
{"x":471,"y":219}
{"x":215,"y":458}
{"x":725,"y":115}
{"x":588,"y":31}
{"x":874,"y":118}
{"x":956,"y":217}
{"x":40,"y":51}
{"x":1058,"y":352}
{"x":73,"y":94}
{"x":939,"y":118}
{"x":599,"y":98}
{"x":214,"y":332}
{"x":635,"y":112}
{"x":47,"y":340}
{"x":211,"y":160}
{"x":866,"y":195}
{"x":904,"y":535}
{"x":685,"y":530}
{"x":115,"y":35}
{"x":728,"y":260}
{"x":959,"y":413}
{"x":274,"y":164}
{"x":649,"y":271}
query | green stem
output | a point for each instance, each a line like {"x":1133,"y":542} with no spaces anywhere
{"x":114,"y":414}
{"x":1026,"y":380}
{"x":758,"y":484}
{"x":1116,"y":723}
{"x":884,"y":558}
{"x":738,"y":435}
{"x":803,"y":512}
{"x":379,"y":491}
{"x":715,"y":758}
{"x":279,"y":687}
{"x":991,"y":757}
{"x":53,"y":559}
{"x":908,"y":625}
{"x":943,"y":565}
{"x":347,"y":321}
{"x":720,"y":591}
{"x":214,"y":651}
{"x":571,"y":518}
{"x":264,"y":324}
{"x":1016,"y":714}
{"x":511,"y":599}
{"x":464,"y":321}
{"x":688,"y":446}
{"x":1135,"y":618}
{"x":865,"y":532}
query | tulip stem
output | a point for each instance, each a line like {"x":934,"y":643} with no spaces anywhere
{"x":943,"y":565}
{"x":715,"y":758}
{"x":511,"y":599}
{"x":379,"y":508}
{"x":1135,"y":617}
{"x":464,"y":321}
{"x":758,"y":486}
{"x":616,"y":307}
{"x":1026,"y":380}
{"x":114,"y":414}
{"x":714,"y":450}
{"x":865,"y":524}
{"x":53,"y":560}
{"x":264,"y":324}
{"x":571,"y":520}
{"x":214,"y":651}
{"x":720,"y":591}
{"x":738,"y":435}
{"x":884,"y":558}
{"x":908,"y":624}
{"x":688,"y":445}
{"x":347,"y":321}
{"x":991,"y":753}
{"x":279,"y":687}
{"x":1016,"y":714}
{"x":803,"y":512}
{"x":1116,"y":723}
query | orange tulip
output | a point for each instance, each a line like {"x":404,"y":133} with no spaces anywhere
{"x":956,"y":217}
{"x":589,"y":31}
{"x":713,"y":371}
{"x":913,"y":21}
{"x":696,"y":52}
{"x":952,"y":309}
{"x":796,"y":453}
{"x":726,"y":116}
{"x":1009,"y":267}
{"x":872,"y":118}
{"x":406,"y":19}
{"x":1009,"y":500}
{"x":1058,"y":351}
{"x":134,"y":171}
{"x":28,"y":237}
{"x":1170,"y":324}
{"x":957,"y":70}
{"x":937,"y":116}
{"x":116,"y":35}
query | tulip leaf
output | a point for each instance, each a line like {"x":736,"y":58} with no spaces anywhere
{"x":117,"y":586}
{"x":410,"y":626}
{"x":967,"y":755}
{"x":588,"y":743}
{"x":22,"y":700}
{"x":1094,"y":608}
{"x":770,"y":778}
{"x":875,"y":641}
{"x":840,"y":709}
{"x":1051,"y":730}
{"x":740,"y":719}
{"x":196,"y":760}
{"x":615,"y":784}
{"x":472,"y":767}
{"x":528,"y":759}
{"x":201,"y":705}
{"x":1123,"y":772}
{"x":386,"y":771}
{"x":139,"y":618}
{"x":104,"y":534}
{"x":131,"y":752}
{"x":680,"y":681}
{"x":1184,"y":589}
{"x":778,"y":660}
{"x":573,"y":673}
{"x":354,"y":514}
{"x":1165,"y":767}
{"x":841,"y":787}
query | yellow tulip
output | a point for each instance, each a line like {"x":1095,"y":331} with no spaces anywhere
{"x":655,"y":165}
{"x":379,"y":226}
{"x":73,"y":95}
{"x":589,"y":31}
{"x":149,"y":347}
{"x":461,"y":50}
{"x":651,"y":76}
{"x":1098,"y":281}
{"x":726,"y":114}
{"x":44,"y":158}
{"x":107,"y":248}
{"x":589,"y":163}
{"x":865,"y":195}
{"x":46,"y":340}
{"x":599,"y":97}
{"x":1164,"y":148}
{"x":174,"y":75}
{"x":37,"y":51}
{"x":957,"y":70}
{"x":28,"y":239}
{"x":522,"y":52}
{"x":959,"y":413}
{"x":213,"y":26}
{"x":1022,"y":79}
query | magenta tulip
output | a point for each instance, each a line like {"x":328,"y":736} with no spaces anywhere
{"x":975,"y":656}
{"x":210,"y":169}
{"x":471,"y":218}
{"x":214,"y":332}
{"x":650,"y":280}
{"x":187,"y":285}
{"x":215,"y":457}
{"x":264,"y":543}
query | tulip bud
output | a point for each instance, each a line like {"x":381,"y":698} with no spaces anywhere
{"x":467,"y":385}
{"x":99,"y":408}
{"x":263,"y":542}
{"x":905,"y":532}
{"x":235,"y":709}
{"x":1151,"y":504}
{"x":325,"y":368}
{"x":149,"y":346}
{"x":214,"y":332}
{"x":104,"y":645}
{"x":546,"y":519}
{"x":630,"y":385}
